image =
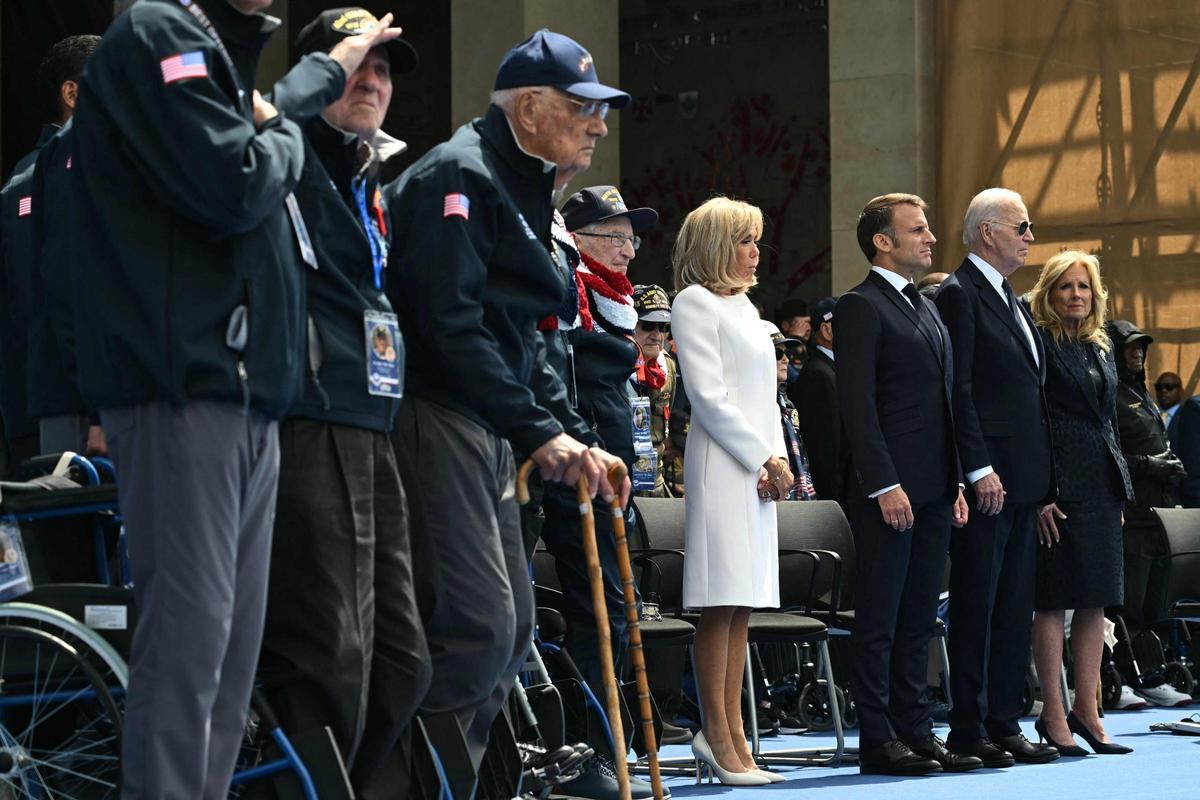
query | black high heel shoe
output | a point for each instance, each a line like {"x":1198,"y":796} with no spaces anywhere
{"x":1065,"y":750}
{"x":1100,"y":748}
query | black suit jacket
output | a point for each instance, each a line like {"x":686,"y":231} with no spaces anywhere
{"x":1084,"y":425}
{"x":894,"y":381}
{"x":1185,"y":441}
{"x":1000,"y":412}
{"x":815,"y":395}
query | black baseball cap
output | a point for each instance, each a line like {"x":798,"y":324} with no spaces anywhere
{"x":330,"y":27}
{"x":651,"y":303}
{"x":823,"y":312}
{"x":794,"y":307}
{"x":777,"y":337}
{"x":551,"y":59}
{"x":598,"y":203}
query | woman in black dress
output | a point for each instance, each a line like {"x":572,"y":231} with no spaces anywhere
{"x":1080,"y":563}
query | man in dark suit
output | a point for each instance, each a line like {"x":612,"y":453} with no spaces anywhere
{"x":894,"y":376}
{"x":1185,"y":439}
{"x":1003,"y":438}
{"x":815,"y":395}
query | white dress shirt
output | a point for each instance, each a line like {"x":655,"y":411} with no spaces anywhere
{"x":829,"y":353}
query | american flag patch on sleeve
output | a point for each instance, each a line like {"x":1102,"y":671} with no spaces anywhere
{"x":25,"y":206}
{"x":184,"y":66}
{"x":456,"y":204}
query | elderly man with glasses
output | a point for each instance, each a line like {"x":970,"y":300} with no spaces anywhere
{"x":472,"y":270}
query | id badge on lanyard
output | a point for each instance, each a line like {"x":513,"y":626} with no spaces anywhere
{"x":385,"y":355}
{"x":645,"y":464}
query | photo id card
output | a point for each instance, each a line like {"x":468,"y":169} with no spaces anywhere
{"x":640,"y":408}
{"x":385,"y":354}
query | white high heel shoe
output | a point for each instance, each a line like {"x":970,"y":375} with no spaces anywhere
{"x":772,"y":777}
{"x":701,"y":751}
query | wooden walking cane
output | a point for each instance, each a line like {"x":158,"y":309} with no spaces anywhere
{"x":615,"y":476}
{"x":600,"y":609}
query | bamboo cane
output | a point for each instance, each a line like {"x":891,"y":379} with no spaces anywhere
{"x":600,"y":610}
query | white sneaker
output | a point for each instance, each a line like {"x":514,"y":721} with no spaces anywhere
{"x":1165,"y":695}
{"x":1129,"y":700}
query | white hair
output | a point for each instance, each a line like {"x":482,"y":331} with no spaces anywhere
{"x":506,"y":99}
{"x":983,"y":207}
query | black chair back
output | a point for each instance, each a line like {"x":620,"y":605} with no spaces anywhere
{"x":659,"y":572}
{"x":817,"y":525}
{"x":1175,"y":576}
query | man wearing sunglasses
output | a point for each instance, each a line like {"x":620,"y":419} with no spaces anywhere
{"x":472,"y":270}
{"x":1004,"y":446}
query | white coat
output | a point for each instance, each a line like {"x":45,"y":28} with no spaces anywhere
{"x":728,"y":365}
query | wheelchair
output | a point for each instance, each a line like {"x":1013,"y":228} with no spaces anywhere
{"x":63,"y":676}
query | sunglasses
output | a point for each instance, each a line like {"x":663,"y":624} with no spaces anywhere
{"x":781,"y":354}
{"x":1021,"y":227}
{"x":661,"y":327}
{"x":1166,"y":387}
{"x":587,"y":108}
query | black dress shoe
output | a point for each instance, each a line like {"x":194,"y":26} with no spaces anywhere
{"x":1026,"y":751}
{"x":932,"y":747}
{"x":992,"y":755}
{"x":895,"y":758}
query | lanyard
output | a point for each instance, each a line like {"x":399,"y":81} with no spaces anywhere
{"x":359,"y":187}
{"x":198,"y":13}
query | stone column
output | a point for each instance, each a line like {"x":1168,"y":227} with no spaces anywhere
{"x":882,"y":124}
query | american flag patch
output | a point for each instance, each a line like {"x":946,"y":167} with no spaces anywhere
{"x":25,"y":206}
{"x":183,"y":66}
{"x":456,"y":205}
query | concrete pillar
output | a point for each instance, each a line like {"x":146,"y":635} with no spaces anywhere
{"x":882,"y":123}
{"x":482,"y":31}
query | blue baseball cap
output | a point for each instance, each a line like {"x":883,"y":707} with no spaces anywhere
{"x":551,"y":59}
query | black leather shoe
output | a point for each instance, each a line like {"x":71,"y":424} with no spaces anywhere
{"x":992,"y":755}
{"x":895,"y":758}
{"x":932,"y":747}
{"x":1026,"y":751}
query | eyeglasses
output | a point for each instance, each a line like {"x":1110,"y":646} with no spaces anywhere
{"x":615,"y":239}
{"x":1166,"y":387}
{"x":587,"y":108}
{"x":1021,"y":227}
{"x":661,"y":327}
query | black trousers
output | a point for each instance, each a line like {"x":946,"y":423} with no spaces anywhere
{"x":343,"y":645}
{"x":993,"y":568}
{"x":473,"y":578}
{"x":898,"y":582}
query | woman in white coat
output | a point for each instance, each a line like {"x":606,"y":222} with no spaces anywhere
{"x":735,"y":465}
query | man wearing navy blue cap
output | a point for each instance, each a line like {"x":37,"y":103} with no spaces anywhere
{"x":474,"y":268}
{"x":815,"y":396}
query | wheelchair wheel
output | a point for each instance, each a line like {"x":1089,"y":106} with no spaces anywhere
{"x":60,"y":727}
{"x":100,"y":654}
{"x":1111,"y":681}
{"x":849,"y":709}
{"x":1180,"y":677}
{"x":815,"y":710}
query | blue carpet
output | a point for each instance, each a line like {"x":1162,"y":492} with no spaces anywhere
{"x":1163,"y":766}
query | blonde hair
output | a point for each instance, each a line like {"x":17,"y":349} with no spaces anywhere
{"x":705,"y":250}
{"x":1091,"y":329}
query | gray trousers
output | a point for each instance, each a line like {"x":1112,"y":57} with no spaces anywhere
{"x":468,"y":561}
{"x":197,"y":492}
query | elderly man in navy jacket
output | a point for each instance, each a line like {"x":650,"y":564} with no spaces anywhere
{"x":1004,"y":445}
{"x":192,"y":303}
{"x":474,"y":269}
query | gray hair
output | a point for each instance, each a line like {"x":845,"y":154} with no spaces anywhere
{"x":506,"y":99}
{"x":985,"y":206}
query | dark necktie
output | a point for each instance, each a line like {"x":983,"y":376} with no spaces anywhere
{"x":924,"y":321}
{"x":1015,"y":310}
